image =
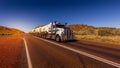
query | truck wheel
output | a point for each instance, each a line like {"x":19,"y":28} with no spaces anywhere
{"x":58,"y":38}
{"x":45,"y":36}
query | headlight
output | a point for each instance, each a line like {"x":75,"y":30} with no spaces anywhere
{"x":63,"y":33}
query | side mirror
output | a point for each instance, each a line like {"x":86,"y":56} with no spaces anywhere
{"x":65,"y":23}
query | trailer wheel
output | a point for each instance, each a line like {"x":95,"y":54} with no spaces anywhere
{"x":58,"y":38}
{"x":44,"y":36}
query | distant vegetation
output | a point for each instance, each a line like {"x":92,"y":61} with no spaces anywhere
{"x":102,"y":34}
{"x":9,"y":31}
{"x":80,"y":29}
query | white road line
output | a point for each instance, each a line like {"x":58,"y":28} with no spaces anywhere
{"x":86,"y":54}
{"x":27,"y":54}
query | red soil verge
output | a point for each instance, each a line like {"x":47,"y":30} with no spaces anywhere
{"x":10,"y":48}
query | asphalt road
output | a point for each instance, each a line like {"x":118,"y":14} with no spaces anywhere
{"x":41,"y":53}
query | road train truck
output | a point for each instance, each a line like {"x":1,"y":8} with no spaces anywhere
{"x":54,"y":30}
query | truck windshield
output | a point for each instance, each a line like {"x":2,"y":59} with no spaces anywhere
{"x":60,"y":26}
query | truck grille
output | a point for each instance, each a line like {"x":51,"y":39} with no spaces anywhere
{"x":68,"y":34}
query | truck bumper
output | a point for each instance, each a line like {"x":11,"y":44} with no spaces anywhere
{"x":67,"y":38}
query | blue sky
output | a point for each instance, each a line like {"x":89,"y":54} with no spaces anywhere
{"x":27,"y":14}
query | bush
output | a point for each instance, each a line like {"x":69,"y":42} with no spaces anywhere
{"x":80,"y":29}
{"x":105,"y":32}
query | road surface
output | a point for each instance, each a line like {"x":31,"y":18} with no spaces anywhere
{"x":42,"y":53}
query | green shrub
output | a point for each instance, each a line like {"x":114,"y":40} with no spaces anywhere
{"x":104,"y":32}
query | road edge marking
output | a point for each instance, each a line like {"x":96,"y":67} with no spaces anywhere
{"x":84,"y":53}
{"x":27,"y":54}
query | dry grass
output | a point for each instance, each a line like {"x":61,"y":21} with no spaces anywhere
{"x":106,"y":39}
{"x":9,"y":51}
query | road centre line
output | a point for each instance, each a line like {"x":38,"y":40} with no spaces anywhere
{"x":85,"y":54}
{"x":27,"y":54}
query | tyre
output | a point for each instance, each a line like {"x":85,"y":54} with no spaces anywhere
{"x":58,"y":38}
{"x":45,"y":36}
{"x":42,"y":36}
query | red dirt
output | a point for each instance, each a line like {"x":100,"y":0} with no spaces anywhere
{"x":10,"y":48}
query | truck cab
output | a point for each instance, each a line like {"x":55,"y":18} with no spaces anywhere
{"x":62,"y":33}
